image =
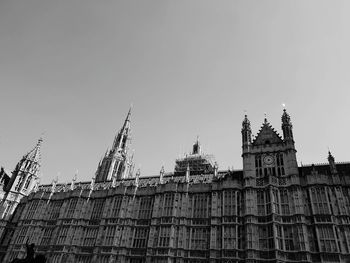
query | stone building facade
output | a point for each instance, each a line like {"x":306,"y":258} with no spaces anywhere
{"x":271,"y":211}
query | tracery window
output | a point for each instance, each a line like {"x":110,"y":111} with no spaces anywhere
{"x":168,"y":204}
{"x":62,"y":235}
{"x":229,"y":237}
{"x":46,"y":238}
{"x":55,"y":209}
{"x":280,"y":164}
{"x":109,"y":235}
{"x":327,"y":239}
{"x":229,"y":201}
{"x":199,"y":238}
{"x":32,"y":208}
{"x":90,"y":236}
{"x":266,"y":240}
{"x":284,"y":201}
{"x":71,"y":207}
{"x":263,"y":202}
{"x":117,"y":202}
{"x":20,"y":182}
{"x":27,"y":183}
{"x":146,"y":208}
{"x":140,"y":237}
{"x":288,"y":237}
{"x":200,"y":205}
{"x":22,"y":234}
{"x":97,"y":209}
{"x":258,"y":166}
{"x":164,"y":236}
{"x":319,"y":200}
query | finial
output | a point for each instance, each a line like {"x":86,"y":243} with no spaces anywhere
{"x":265,"y":118}
{"x":284,"y":106}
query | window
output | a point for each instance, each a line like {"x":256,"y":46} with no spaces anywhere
{"x":319,"y":200}
{"x":284,"y":201}
{"x":288,"y":237}
{"x":299,"y":234}
{"x":280,"y":164}
{"x":140,"y":237}
{"x":117,"y":202}
{"x":200,"y":205}
{"x":97,"y":208}
{"x":250,"y":236}
{"x":327,"y":239}
{"x":109,"y":235}
{"x":20,"y":182}
{"x":27,"y":183}
{"x":258,"y":166}
{"x":22,"y":234}
{"x":32,"y":208}
{"x":229,"y":203}
{"x":55,"y":210}
{"x":164,"y":236}
{"x":71,"y":207}
{"x":168,"y":203}
{"x":90,"y":236}
{"x":146,"y":207}
{"x":46,"y":238}
{"x":62,"y":235}
{"x":199,"y":239}
{"x":266,"y":240}
{"x":230,"y":237}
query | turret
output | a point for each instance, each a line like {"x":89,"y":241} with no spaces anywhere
{"x":287,"y":127}
{"x":26,"y":171}
{"x":197,"y":147}
{"x":246,"y":134}
{"x":331,"y":162}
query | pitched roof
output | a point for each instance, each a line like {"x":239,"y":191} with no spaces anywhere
{"x":267,"y":134}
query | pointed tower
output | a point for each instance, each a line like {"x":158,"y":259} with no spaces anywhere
{"x":22,"y":181}
{"x":268,"y":154}
{"x":287,"y":127}
{"x":246,"y":134}
{"x":116,"y":161}
{"x":331,"y":162}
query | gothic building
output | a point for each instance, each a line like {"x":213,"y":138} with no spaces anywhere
{"x":270,"y":211}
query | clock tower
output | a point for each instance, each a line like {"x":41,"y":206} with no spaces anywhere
{"x":268,"y":154}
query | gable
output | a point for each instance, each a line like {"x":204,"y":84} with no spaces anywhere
{"x":267,"y":135}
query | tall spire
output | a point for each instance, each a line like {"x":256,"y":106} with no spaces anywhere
{"x":35,"y":155}
{"x":117,"y":160}
{"x":27,"y":171}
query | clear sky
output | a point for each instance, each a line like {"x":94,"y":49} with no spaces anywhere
{"x":71,"y":69}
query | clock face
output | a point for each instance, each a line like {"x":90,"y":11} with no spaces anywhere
{"x":268,"y":159}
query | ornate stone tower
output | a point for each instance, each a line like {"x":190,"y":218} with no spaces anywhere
{"x":117,"y":164}
{"x":23,"y":180}
{"x":269,"y":153}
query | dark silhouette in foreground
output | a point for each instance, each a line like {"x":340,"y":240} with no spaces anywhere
{"x":30,"y":256}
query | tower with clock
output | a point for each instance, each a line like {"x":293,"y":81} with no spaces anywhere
{"x":268,"y":154}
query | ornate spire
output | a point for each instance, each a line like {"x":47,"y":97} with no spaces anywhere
{"x":35,"y":155}
{"x":246,"y":133}
{"x":287,"y":126}
{"x":196,"y":147}
{"x":116,"y":161}
{"x":331,"y":162}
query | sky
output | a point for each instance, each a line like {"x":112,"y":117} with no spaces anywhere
{"x":69,"y":71}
